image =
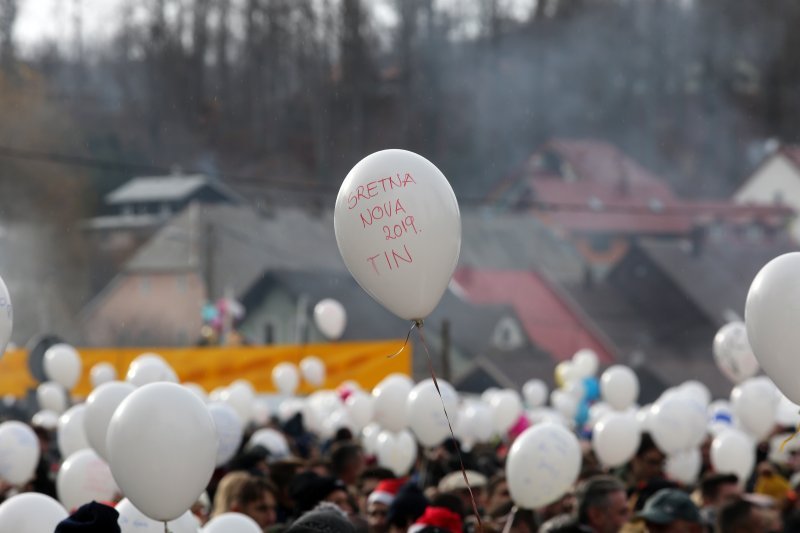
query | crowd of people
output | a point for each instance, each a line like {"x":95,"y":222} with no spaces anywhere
{"x":335,"y":486}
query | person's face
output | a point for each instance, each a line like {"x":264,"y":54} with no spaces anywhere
{"x":649,"y":465}
{"x":262,"y":510}
{"x":611,"y":517}
{"x":376,"y":517}
{"x":500,"y":496}
{"x":367,"y":487}
{"x":727,"y":493}
{"x":339,"y":497}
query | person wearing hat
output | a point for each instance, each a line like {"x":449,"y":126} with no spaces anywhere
{"x":437,"y":520}
{"x":408,"y":505}
{"x":378,"y":504}
{"x":453,"y":483}
{"x":92,"y":517}
{"x":307,"y":489}
{"x":671,"y":511}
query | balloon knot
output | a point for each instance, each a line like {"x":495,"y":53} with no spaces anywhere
{"x":418,"y":322}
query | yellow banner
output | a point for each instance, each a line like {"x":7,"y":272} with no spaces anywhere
{"x":366,"y":363}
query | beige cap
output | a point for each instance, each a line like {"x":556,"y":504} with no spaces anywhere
{"x":455,"y":481}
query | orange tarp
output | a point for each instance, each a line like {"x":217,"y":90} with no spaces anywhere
{"x":363,"y":362}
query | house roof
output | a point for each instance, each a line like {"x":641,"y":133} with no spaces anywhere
{"x":717,"y":277}
{"x":164,"y":188}
{"x":548,"y":318}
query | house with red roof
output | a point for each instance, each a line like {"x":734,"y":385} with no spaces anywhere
{"x":775,"y":182}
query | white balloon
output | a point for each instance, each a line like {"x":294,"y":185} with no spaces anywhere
{"x":336,"y":421}
{"x":150,"y":368}
{"x":274,"y":441}
{"x":102,"y":373}
{"x":478,"y":417}
{"x":360,"y":407}
{"x":720,"y":417}
{"x":62,"y":364}
{"x":100,"y":407}
{"x":396,"y":451}
{"x":240,"y":396}
{"x":576,"y":389}
{"x":619,"y":387}
{"x":45,"y":419}
{"x":598,"y":411}
{"x":229,"y":431}
{"x":733,"y":354}
{"x":542,"y":464}
{"x":289,"y":408}
{"x":564,"y":403}
{"x":6,"y":317}
{"x":585,"y":362}
{"x":506,"y":408}
{"x":426,"y":413}
{"x":84,"y":477}
{"x":71,"y":431}
{"x":787,"y":413}
{"x":330,"y":318}
{"x":733,"y":452}
{"x":391,"y":410}
{"x":163,"y":447}
{"x":678,"y":424}
{"x":30,"y":512}
{"x":285,"y":378}
{"x":535,"y":393}
{"x":615,"y":439}
{"x":697,"y":391}
{"x":754,"y":403}
{"x":398,"y":229}
{"x":771,"y":315}
{"x":19,"y":450}
{"x":132,"y":520}
{"x":51,"y":396}
{"x":319,"y":406}
{"x":684,"y":466}
{"x":486,"y":396}
{"x":644,"y":416}
{"x":232,"y":523}
{"x":313,"y":370}
{"x":369,"y":438}
{"x":262,"y":412}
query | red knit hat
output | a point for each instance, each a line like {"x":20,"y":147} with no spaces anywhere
{"x":438,"y":517}
{"x":385,"y":491}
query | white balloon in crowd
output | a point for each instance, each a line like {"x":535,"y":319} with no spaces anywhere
{"x":318,"y":407}
{"x":599,"y":410}
{"x":290,"y":407}
{"x":369,"y":438}
{"x":100,"y":407}
{"x":645,"y":418}
{"x":274,"y":441}
{"x":615,"y":439}
{"x":19,"y":448}
{"x":576,"y":389}
{"x":262,"y":412}
{"x":772,"y":315}
{"x":313,"y":370}
{"x":360,"y":408}
{"x":679,"y":423}
{"x":216,"y":395}
{"x":285,"y":378}
{"x":330,"y":318}
{"x":396,"y":451}
{"x":229,"y":427}
{"x":547,"y":414}
{"x":566,"y":372}
{"x":619,"y":387}
{"x":585,"y":363}
{"x":150,"y":368}
{"x":132,"y":520}
{"x":71,"y":435}
{"x":684,"y":466}
{"x":337,"y":420}
{"x":102,"y":373}
{"x":478,"y":419}
{"x":45,"y":419}
{"x":564,"y":403}
{"x":84,"y":477}
{"x":787,"y":413}
{"x":409,"y":273}
{"x":720,"y":416}
{"x":62,"y":364}
{"x":425,"y":413}
{"x":51,"y":396}
{"x":30,"y":512}
{"x":232,"y":523}
{"x":733,"y":452}
{"x":163,"y":447}
{"x":240,"y":395}
{"x":732,"y":352}
{"x":391,"y":410}
{"x":755,"y":403}
{"x":506,"y":408}
{"x":697,"y":391}
{"x":535,"y":393}
{"x":6,"y":317}
{"x":542,"y":465}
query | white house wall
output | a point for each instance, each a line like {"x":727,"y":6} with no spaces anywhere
{"x":776,"y":181}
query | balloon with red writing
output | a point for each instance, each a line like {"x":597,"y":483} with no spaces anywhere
{"x":399,"y":230}
{"x":6,"y":317}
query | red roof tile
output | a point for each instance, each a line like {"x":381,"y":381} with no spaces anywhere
{"x":548,"y":319}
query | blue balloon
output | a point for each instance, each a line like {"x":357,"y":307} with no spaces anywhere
{"x":582,"y":415}
{"x":592,"y":388}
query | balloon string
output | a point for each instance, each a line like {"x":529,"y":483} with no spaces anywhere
{"x":510,"y":520}
{"x":788,"y":439}
{"x":414,"y":324}
{"x":418,"y":323}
